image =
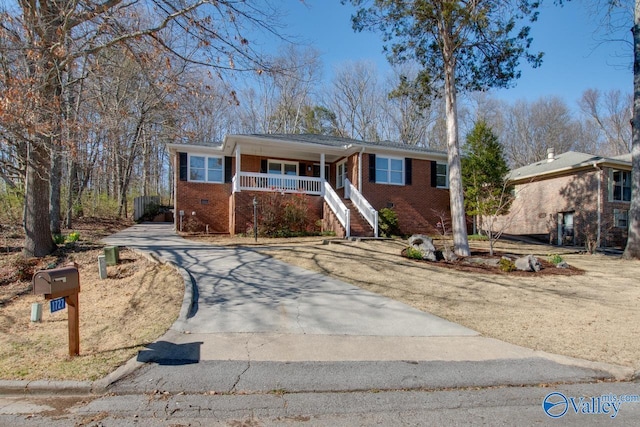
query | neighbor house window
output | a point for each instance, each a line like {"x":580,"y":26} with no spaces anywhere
{"x":621,"y":186}
{"x":341,"y":174}
{"x":206,"y":169}
{"x":621,"y":218}
{"x":442,"y":177}
{"x":389,"y":170}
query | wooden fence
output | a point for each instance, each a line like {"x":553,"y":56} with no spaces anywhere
{"x":141,"y":203}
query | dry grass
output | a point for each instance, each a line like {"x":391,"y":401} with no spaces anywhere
{"x":136,"y":304}
{"x":592,"y":316}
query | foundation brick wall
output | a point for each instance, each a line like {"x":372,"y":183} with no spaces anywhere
{"x":210,"y":202}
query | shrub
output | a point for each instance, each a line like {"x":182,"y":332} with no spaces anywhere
{"x":11,"y":205}
{"x":98,"y":205}
{"x":388,"y":222}
{"x":193,"y":225}
{"x":285,"y":216}
{"x":58,"y":239}
{"x":413,"y":253}
{"x":554,"y":259}
{"x":74,"y":236}
{"x":506,"y":265}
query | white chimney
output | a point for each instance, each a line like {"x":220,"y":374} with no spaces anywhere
{"x":551,"y":154}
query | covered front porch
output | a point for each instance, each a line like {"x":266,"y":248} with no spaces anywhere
{"x":287,"y":167}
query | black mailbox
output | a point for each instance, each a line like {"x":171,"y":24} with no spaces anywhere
{"x":57,"y":282}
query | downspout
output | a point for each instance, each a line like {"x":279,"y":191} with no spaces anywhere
{"x":600,"y":173}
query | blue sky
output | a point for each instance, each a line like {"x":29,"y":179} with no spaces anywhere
{"x":574,"y":60}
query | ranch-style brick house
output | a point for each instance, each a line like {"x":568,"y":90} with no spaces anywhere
{"x":345,"y":181}
{"x":572,"y":199}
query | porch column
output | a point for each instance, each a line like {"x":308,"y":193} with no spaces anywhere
{"x":236,"y":181}
{"x":322,"y":177}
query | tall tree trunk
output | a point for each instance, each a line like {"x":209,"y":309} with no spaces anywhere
{"x":456,"y":196}
{"x":632,"y":250}
{"x":38,"y":241}
{"x":72,"y":192}
{"x":54,"y":189}
{"x":146,"y":165}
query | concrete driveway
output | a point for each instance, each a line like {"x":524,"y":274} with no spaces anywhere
{"x":255,"y":323}
{"x":238,"y":290}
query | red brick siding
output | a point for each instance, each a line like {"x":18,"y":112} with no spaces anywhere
{"x":210,"y":202}
{"x":413,"y":203}
{"x":232,"y":213}
{"x":535,"y":210}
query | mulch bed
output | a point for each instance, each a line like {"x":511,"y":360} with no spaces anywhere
{"x":462,"y":264}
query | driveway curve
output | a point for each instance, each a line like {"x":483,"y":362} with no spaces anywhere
{"x":238,"y":290}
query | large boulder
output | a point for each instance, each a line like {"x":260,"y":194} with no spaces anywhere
{"x":424,"y":244}
{"x":528,"y":263}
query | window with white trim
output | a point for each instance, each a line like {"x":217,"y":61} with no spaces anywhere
{"x":389,"y":170}
{"x":206,"y":169}
{"x":442,"y":175}
{"x":621,"y":218}
{"x":280,"y":167}
{"x":621,"y":186}
{"x":341,"y":174}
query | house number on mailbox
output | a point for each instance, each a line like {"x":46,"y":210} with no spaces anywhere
{"x":57,"y":304}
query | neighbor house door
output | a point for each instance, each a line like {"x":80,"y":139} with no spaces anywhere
{"x":566,"y":234}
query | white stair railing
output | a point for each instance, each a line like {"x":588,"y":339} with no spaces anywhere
{"x":338,"y":207}
{"x":363,"y":206}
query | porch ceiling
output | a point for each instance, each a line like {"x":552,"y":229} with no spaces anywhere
{"x":287,"y":149}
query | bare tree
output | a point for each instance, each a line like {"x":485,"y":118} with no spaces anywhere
{"x":354,"y":97}
{"x":531,"y":128}
{"x":47,"y":38}
{"x":610,"y":113}
{"x":407,"y":116}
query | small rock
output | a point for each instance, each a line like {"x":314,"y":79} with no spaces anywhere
{"x":528,"y":263}
{"x":449,"y":255}
{"x":562,"y":264}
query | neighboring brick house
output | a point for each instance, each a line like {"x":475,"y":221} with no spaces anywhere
{"x":346,"y":182}
{"x":571,"y":199}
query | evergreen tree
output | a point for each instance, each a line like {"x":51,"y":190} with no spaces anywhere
{"x":484,"y":177}
{"x":484,"y":171}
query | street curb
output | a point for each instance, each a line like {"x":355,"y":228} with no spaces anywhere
{"x":101,"y":386}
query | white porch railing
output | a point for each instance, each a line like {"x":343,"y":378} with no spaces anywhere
{"x":363,"y":206}
{"x":278,"y":183}
{"x":338,"y":208}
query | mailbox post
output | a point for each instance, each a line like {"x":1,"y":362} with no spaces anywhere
{"x":64,"y":283}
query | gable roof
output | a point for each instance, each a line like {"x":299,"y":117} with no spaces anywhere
{"x":567,"y":163}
